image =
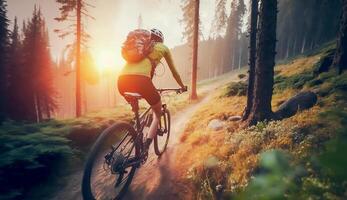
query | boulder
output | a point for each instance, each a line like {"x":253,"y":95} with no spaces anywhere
{"x":301,"y":101}
{"x":216,"y":124}
{"x":325,"y":62}
{"x":234,"y":118}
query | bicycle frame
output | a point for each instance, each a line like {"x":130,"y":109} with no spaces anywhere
{"x":139,"y":124}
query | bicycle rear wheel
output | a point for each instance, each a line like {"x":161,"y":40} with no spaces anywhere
{"x":161,"y":140}
{"x":111,"y":164}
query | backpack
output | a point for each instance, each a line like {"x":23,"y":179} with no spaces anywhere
{"x":137,"y":45}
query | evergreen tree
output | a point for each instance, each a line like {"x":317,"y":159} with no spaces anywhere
{"x":191,"y":20}
{"x":234,"y":32}
{"x":252,"y":56}
{"x":15,"y":75}
{"x":4,"y":36}
{"x":220,"y":19}
{"x":304,"y":25}
{"x":39,"y":93}
{"x":265,"y":63}
{"x":73,"y":10}
{"x":340,"y":59}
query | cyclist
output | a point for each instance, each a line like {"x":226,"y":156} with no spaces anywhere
{"x":137,"y":78}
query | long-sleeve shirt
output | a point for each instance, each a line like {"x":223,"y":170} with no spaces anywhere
{"x":144,"y":67}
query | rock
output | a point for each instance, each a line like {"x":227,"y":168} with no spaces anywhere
{"x":301,"y":101}
{"x":234,"y":118}
{"x":216,"y":124}
{"x":325,"y":62}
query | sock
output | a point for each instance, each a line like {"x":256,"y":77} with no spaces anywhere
{"x":148,"y":142}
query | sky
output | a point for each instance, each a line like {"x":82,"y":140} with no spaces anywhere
{"x":113,"y":20}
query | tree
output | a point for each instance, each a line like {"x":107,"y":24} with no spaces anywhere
{"x":234,"y":31}
{"x":15,"y":75}
{"x":220,"y":19}
{"x":340,"y":58}
{"x":4,"y":33}
{"x":68,"y":7}
{"x":265,"y":62}
{"x":191,"y":19}
{"x":252,"y":56}
{"x":304,"y":25}
{"x":193,"y":94}
{"x":37,"y":83}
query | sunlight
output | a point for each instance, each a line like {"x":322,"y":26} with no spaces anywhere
{"x":108,"y":60}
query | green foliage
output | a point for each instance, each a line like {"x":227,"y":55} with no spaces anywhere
{"x":296,"y":81}
{"x":27,"y":156}
{"x":276,"y":179}
{"x":236,"y":89}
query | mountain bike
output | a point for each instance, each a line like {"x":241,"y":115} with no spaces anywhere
{"x":119,"y":151}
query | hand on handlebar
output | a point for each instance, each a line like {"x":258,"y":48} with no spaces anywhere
{"x":184,"y":89}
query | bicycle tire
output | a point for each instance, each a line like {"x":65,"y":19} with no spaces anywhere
{"x":159,"y":151}
{"x":92,"y":156}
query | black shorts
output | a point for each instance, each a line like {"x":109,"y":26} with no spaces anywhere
{"x":139,"y":84}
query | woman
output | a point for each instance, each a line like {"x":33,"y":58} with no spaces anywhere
{"x":137,"y":78}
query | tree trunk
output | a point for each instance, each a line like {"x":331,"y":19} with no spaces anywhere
{"x":265,"y":62}
{"x":78,"y":60}
{"x":252,"y":57}
{"x":340,"y":58}
{"x":193,"y":94}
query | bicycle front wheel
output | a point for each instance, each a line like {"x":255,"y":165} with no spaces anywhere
{"x":111,"y":164}
{"x":161,"y":140}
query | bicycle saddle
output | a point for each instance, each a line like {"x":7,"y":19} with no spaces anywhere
{"x":132,"y":95}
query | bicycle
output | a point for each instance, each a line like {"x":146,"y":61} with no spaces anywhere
{"x":119,"y":151}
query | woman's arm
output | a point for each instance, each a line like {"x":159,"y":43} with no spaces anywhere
{"x":172,"y":67}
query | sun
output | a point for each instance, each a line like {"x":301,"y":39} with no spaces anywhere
{"x":108,"y":60}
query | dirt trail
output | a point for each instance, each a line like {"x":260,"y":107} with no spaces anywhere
{"x":158,"y":178}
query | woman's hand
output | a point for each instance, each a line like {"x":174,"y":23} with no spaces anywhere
{"x":184,"y":88}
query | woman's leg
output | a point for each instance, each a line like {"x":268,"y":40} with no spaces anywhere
{"x":154,"y":126}
{"x":156,"y":117}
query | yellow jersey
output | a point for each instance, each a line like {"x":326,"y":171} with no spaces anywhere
{"x":144,"y":67}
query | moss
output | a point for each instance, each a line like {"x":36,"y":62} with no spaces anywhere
{"x":296,"y":81}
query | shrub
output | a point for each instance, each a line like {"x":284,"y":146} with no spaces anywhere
{"x":27,"y":157}
{"x":236,"y":89}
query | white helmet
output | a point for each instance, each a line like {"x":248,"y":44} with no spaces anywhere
{"x":158,"y":34}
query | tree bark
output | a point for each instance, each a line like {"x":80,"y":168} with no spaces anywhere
{"x":252,"y":57}
{"x":193,"y":94}
{"x":78,"y":60}
{"x":340,"y":58}
{"x":265,"y":62}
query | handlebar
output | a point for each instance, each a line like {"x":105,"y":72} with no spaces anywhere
{"x":177,"y":90}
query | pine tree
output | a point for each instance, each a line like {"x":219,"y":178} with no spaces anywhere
{"x":252,"y":56}
{"x":15,"y":75}
{"x":192,"y":30}
{"x":265,"y":63}
{"x":38,"y":93}
{"x":340,"y":59}
{"x":234,"y":31}
{"x":73,"y":10}
{"x":4,"y":37}
{"x":220,"y":19}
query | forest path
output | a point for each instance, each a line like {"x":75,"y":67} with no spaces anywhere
{"x":158,"y":178}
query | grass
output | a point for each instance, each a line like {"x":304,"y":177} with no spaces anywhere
{"x":235,"y":153}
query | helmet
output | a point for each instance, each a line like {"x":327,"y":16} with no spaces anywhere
{"x":158,"y":35}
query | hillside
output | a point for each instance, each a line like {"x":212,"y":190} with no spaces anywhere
{"x":301,"y":157}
